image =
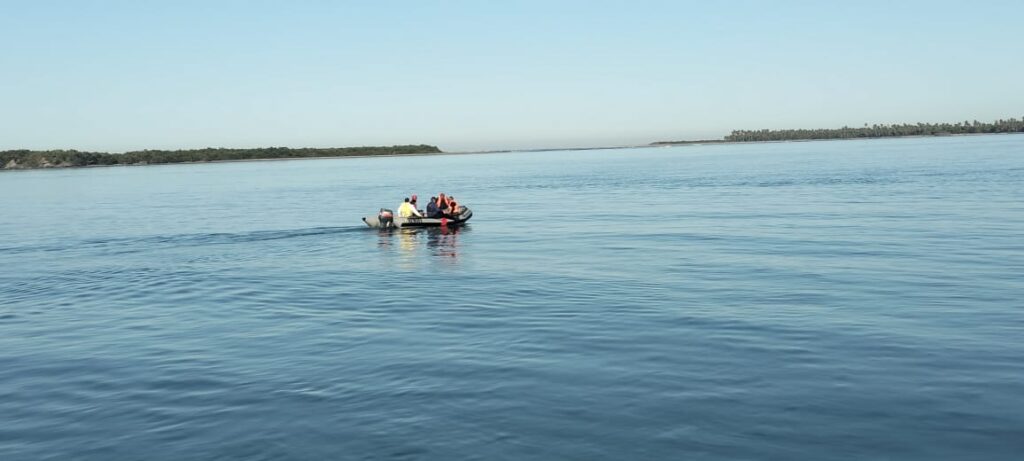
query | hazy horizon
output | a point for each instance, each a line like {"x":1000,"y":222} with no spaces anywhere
{"x":121,"y":76}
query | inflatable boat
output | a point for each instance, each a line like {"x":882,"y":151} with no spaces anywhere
{"x":385,"y":218}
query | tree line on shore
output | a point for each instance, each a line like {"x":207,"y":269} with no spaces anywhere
{"x":17,"y":159}
{"x":1011,"y":125}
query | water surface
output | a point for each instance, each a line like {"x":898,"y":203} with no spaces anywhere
{"x":815,"y":300}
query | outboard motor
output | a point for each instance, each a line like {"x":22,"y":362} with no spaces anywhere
{"x":386,"y":218}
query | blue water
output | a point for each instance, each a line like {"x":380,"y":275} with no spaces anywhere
{"x":818,"y":300}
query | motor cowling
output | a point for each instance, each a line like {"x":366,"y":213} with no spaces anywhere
{"x":386,"y":218}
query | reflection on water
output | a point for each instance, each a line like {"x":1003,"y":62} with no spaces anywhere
{"x":444,"y":242}
{"x":411,"y":242}
{"x":407,"y":242}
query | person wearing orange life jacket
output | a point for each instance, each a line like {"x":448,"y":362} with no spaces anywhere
{"x":447,"y":207}
{"x":442,"y":204}
{"x":453,"y":207}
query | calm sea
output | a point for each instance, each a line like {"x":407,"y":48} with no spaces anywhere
{"x":817,"y":300}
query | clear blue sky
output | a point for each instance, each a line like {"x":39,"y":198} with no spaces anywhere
{"x":466,"y":75}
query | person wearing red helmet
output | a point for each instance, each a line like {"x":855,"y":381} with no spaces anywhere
{"x":412,"y":200}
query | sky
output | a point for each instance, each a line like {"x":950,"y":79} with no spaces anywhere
{"x":486,"y":75}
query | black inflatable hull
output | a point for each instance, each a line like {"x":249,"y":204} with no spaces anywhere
{"x":399,"y":222}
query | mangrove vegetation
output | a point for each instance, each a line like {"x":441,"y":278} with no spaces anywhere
{"x":23,"y":159}
{"x":1011,"y":125}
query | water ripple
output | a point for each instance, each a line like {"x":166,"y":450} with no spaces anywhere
{"x":790,"y":301}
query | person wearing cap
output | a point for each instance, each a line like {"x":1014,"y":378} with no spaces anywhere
{"x":407,"y":210}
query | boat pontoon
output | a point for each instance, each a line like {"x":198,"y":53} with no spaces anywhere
{"x":385,"y":218}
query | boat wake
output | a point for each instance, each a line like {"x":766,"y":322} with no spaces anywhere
{"x":131,"y":244}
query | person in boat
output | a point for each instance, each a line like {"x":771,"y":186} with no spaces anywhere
{"x":453,"y":207}
{"x":442,"y":204}
{"x":432,"y":210}
{"x":406,"y":210}
{"x":412,"y":200}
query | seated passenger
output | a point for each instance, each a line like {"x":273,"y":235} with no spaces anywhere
{"x":442,"y":204}
{"x":432,"y":210}
{"x":406,"y":210}
{"x":453,"y":207}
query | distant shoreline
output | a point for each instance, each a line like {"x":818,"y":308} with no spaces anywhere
{"x":895,"y":130}
{"x":722,"y":142}
{"x":862,"y":138}
{"x":502,"y":151}
{"x":203,"y":162}
{"x":24,"y":159}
